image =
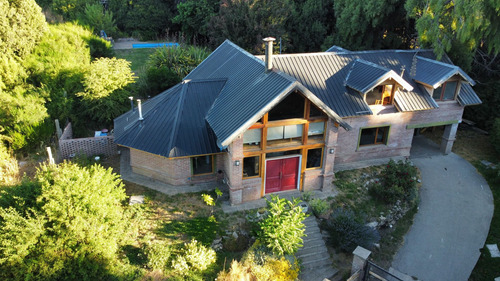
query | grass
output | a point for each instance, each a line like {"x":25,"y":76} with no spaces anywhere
{"x":136,"y":57}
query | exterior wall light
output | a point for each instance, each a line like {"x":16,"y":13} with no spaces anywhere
{"x":237,"y":163}
{"x":331,"y":151}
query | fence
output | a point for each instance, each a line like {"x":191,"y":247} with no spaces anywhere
{"x":374,"y":272}
{"x":68,"y":146}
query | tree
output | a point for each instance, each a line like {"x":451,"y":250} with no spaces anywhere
{"x":371,"y":24}
{"x":194,"y":17}
{"x":457,"y":27}
{"x":68,"y":223}
{"x":95,"y":17}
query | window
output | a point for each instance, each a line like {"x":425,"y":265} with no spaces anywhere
{"x":202,"y":165}
{"x":316,"y":132}
{"x":290,"y":107}
{"x":446,"y":91}
{"x":251,"y":139}
{"x":380,"y":95}
{"x":285,"y":135}
{"x":314,"y":158}
{"x":315,"y":112}
{"x":251,"y":166}
{"x":371,"y":136}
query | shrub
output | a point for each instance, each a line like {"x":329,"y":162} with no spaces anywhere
{"x":307,"y":196}
{"x":398,"y":182}
{"x":180,"y":265}
{"x":282,"y":229}
{"x":258,"y":265}
{"x":158,"y":254}
{"x":9,"y":170}
{"x":346,"y":233}
{"x":198,"y":256}
{"x":318,"y":206}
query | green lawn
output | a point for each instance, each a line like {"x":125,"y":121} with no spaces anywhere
{"x":136,"y":57}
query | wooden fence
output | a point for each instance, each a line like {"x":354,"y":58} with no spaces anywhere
{"x":69,"y":147}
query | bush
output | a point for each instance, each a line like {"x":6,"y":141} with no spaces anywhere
{"x":258,"y":265}
{"x":158,"y":254}
{"x":282,"y":228}
{"x":9,"y":170}
{"x":66,"y":224}
{"x":198,"y":256}
{"x":318,"y":206}
{"x":346,"y":233}
{"x":398,"y":182}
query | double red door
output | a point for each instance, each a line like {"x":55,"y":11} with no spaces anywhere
{"x":282,"y":174}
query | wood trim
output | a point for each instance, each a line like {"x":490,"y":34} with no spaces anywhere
{"x":280,"y":149}
{"x":321,"y":163}
{"x":204,"y":174}
{"x":243,"y":165}
{"x":295,"y":121}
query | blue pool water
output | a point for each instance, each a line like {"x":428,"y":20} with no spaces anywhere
{"x":155,"y":45}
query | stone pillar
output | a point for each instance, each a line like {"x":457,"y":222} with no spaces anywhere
{"x":329,"y":158}
{"x":234,"y":173}
{"x":449,"y":134}
{"x":359,"y":260}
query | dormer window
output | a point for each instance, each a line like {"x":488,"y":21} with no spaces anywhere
{"x":446,"y":91}
{"x":381,"y":95}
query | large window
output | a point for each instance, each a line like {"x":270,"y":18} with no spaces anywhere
{"x":202,"y":165}
{"x":380,"y":95}
{"x":251,"y":139}
{"x":370,"y":136}
{"x":316,"y":132}
{"x":446,"y":91}
{"x":290,"y":107}
{"x":251,"y":166}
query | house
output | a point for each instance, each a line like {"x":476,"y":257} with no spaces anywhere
{"x":283,"y":122}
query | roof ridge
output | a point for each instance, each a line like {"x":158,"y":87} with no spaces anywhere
{"x":176,"y":122}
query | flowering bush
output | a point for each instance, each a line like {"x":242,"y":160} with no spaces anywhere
{"x":398,"y":182}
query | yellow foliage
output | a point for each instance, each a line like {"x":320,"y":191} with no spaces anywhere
{"x":9,"y":170}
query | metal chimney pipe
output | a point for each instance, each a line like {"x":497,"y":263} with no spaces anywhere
{"x":269,"y":53}
{"x":131,"y":103}
{"x":140,"y":109}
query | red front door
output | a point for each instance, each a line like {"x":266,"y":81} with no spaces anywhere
{"x":282,"y":174}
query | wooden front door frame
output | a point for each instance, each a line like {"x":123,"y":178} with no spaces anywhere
{"x":299,"y":168}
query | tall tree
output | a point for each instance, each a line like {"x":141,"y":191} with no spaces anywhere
{"x":194,"y":17}
{"x":371,"y":24}
{"x":457,"y":27}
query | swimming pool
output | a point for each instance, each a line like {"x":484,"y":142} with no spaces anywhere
{"x":155,"y":45}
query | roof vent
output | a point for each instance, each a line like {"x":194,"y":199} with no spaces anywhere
{"x":269,"y":53}
{"x":140,"y":109}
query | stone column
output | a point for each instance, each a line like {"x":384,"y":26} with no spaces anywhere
{"x":329,"y":158}
{"x":448,"y":138}
{"x":359,"y":260}
{"x":234,"y":173}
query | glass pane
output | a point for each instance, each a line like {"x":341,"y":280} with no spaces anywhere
{"x":290,"y":107}
{"x":293,"y":131}
{"x":251,"y":166}
{"x":317,"y":128}
{"x":367,"y":136}
{"x":374,"y":96}
{"x":202,"y":164}
{"x":449,"y":90}
{"x":252,"y":136}
{"x":437,"y":93}
{"x":314,"y":158}
{"x":275,"y":133}
{"x":381,"y":135}
{"x":315,"y":111}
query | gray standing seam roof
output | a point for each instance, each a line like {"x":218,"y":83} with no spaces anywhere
{"x":174,"y":121}
{"x":435,"y":73}
{"x":337,"y":49}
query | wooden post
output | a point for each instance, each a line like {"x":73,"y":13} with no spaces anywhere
{"x":49,"y":153}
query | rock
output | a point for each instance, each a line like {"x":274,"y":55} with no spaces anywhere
{"x":235,"y":235}
{"x":136,"y":199}
{"x":377,"y":245}
{"x":372,"y":224}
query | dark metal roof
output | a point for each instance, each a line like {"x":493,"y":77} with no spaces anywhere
{"x":364,"y":75}
{"x":249,"y":93}
{"x":434,"y":73}
{"x":337,"y":49}
{"x":174,"y":121}
{"x":324,"y":74}
{"x":467,"y":96}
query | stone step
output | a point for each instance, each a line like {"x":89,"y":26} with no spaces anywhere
{"x":310,"y":221}
{"x":317,"y":249}
{"x":310,"y":257}
{"x":316,"y":262}
{"x":318,"y":273}
{"x":312,"y":229}
{"x":312,"y":237}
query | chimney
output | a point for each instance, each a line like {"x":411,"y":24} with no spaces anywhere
{"x":269,"y":53}
{"x":140,"y":110}
{"x":131,"y":103}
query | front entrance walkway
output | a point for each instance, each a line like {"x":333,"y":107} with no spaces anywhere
{"x":455,"y":211}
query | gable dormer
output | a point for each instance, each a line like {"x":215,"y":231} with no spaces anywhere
{"x":443,"y":81}
{"x":376,"y":83}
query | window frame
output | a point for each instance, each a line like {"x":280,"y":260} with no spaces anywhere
{"x":443,"y":89}
{"x":385,"y":137}
{"x":321,"y":161}
{"x":212,"y":159}
{"x":243,"y":167}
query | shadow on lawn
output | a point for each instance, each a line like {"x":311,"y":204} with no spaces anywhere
{"x":200,"y":228}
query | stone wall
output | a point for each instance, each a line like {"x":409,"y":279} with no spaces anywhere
{"x":400,"y":137}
